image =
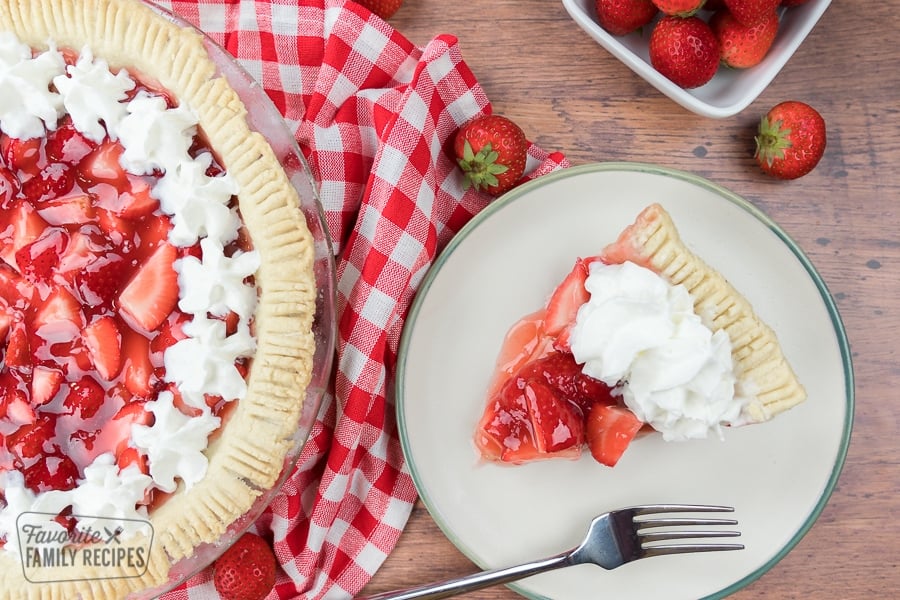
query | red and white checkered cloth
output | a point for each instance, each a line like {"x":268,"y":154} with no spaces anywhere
{"x":373,"y":115}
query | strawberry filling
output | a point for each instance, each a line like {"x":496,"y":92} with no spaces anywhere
{"x":88,"y":305}
{"x":540,"y":403}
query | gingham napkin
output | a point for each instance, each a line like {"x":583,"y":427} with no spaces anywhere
{"x":374,"y":116}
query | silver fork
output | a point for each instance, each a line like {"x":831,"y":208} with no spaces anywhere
{"x":613,"y":539}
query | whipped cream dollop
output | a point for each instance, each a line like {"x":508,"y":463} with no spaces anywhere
{"x":640,"y":333}
{"x":93,"y":96}
{"x":110,"y":493}
{"x":28,"y":107}
{"x":174,"y":443}
{"x":43,"y":508}
{"x":35,"y":92}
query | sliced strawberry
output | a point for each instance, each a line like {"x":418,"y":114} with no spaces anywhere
{"x":566,"y":300}
{"x":104,"y":345}
{"x":117,"y":431}
{"x":60,"y":308}
{"x":9,"y":187}
{"x":557,"y":424}
{"x":38,"y":260}
{"x":14,"y":290}
{"x":31,"y":440}
{"x":133,"y":413}
{"x":86,"y":245}
{"x":45,"y":383}
{"x":55,"y":471}
{"x":85,"y":397}
{"x":137,"y":369}
{"x":19,"y":411}
{"x":116,"y":228}
{"x":11,"y":390}
{"x":54,"y":180}
{"x":137,"y":202}
{"x":21,"y":155}
{"x":19,"y":226}
{"x":18,"y":347}
{"x":560,"y":371}
{"x":103,"y":165}
{"x":505,"y":432}
{"x":170,"y":331}
{"x":99,"y":283}
{"x":609,"y":431}
{"x":129,"y":456}
{"x":67,"y":145}
{"x":152,"y":293}
{"x":6,"y":321}
{"x":73,"y":209}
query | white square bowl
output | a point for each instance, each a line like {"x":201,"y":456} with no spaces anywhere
{"x":731,"y":90}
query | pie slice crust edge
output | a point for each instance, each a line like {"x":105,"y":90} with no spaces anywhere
{"x":764,"y":375}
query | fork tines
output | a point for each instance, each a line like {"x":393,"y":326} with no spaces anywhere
{"x":650,"y":539}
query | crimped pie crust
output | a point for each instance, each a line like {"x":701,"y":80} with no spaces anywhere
{"x":764,"y":375}
{"x":248,"y":455}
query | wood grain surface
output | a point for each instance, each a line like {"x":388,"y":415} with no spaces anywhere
{"x":569,"y":94}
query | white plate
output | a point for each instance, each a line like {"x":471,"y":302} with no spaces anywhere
{"x":503,"y":265}
{"x":731,"y":90}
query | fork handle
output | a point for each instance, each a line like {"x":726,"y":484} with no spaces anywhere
{"x":476,"y":581}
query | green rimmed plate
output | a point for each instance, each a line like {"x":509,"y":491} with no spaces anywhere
{"x":503,"y":265}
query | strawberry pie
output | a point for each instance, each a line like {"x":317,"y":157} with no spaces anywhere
{"x":644,"y":336}
{"x":156,"y":297}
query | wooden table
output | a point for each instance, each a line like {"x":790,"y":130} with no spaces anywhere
{"x":569,"y":94}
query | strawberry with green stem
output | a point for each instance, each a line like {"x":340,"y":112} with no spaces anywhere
{"x":791,"y":140}
{"x":491,"y":151}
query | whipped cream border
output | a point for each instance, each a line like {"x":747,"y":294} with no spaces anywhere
{"x":155,"y":138}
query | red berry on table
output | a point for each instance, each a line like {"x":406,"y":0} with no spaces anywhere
{"x":246,"y":571}
{"x":621,"y":17}
{"x":742,"y":46}
{"x":679,"y":8}
{"x":684,"y":50}
{"x":491,"y":151}
{"x":383,"y":8}
{"x":749,"y":12}
{"x":791,"y":140}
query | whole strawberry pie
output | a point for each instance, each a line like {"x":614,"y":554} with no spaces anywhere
{"x":643,"y":336}
{"x":153,"y":365}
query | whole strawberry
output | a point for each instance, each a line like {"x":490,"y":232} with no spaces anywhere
{"x":791,"y":140}
{"x":685,"y":50}
{"x":750,"y":12}
{"x":620,"y":17}
{"x":742,"y":46}
{"x":679,"y":8}
{"x":491,"y":151}
{"x":246,"y":571}
{"x":383,"y":8}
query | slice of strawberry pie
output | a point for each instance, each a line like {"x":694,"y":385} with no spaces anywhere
{"x":643,"y":336}
{"x":157,"y":297}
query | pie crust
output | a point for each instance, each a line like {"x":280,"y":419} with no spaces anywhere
{"x":764,"y":375}
{"x":248,"y":456}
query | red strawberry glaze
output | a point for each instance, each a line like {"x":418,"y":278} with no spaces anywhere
{"x":88,"y":304}
{"x":540,"y":404}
